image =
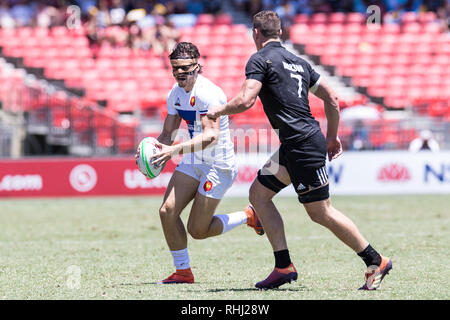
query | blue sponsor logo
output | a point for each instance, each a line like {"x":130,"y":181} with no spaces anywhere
{"x":335,"y":173}
{"x":440,"y":173}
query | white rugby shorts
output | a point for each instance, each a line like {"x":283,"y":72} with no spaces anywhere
{"x":214,"y":182}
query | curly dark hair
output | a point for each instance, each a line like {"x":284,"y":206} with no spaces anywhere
{"x":185,"y":50}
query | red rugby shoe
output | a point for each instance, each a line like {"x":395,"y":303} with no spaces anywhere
{"x":180,"y":276}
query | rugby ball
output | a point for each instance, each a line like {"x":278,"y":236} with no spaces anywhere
{"x":145,"y":152}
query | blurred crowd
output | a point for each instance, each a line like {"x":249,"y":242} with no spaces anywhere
{"x":390,"y":9}
{"x":45,"y":13}
{"x":144,"y":24}
{"x":140,"y":27}
{"x":328,"y":6}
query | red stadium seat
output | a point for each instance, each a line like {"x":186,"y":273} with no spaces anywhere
{"x":335,"y":29}
{"x":24,"y":32}
{"x":318,"y":29}
{"x":353,"y":28}
{"x":415,"y":28}
{"x":301,"y":19}
{"x":318,"y":18}
{"x":409,"y":17}
{"x":201,"y":30}
{"x":59,"y":31}
{"x":390,"y":28}
{"x":221,"y":30}
{"x":401,"y":63}
{"x":224,"y":19}
{"x":355,"y":17}
{"x":205,"y":19}
{"x":432,"y":28}
{"x":427,"y":17}
{"x":337,"y":17}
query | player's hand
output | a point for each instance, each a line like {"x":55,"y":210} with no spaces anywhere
{"x":334,"y":148}
{"x":165,"y":154}
{"x":212,"y":112}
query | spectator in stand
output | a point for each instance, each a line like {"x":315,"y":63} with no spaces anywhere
{"x":286,"y":10}
{"x":240,"y":4}
{"x":195,"y":7}
{"x":341,"y":5}
{"x":23,"y":12}
{"x":444,"y":16}
{"x":321,"y":6}
{"x":103,"y":17}
{"x":434,"y":5}
{"x":6,"y":18}
{"x":48,"y":16}
{"x":136,"y":39}
{"x":426,"y":141}
{"x":304,"y":7}
{"x":165,"y":37}
{"x":179,"y":7}
{"x":213,"y":6}
{"x":403,"y":5}
{"x":359,"y":139}
{"x":92,"y":31}
{"x":362,"y":5}
{"x":254,"y":6}
{"x":117,"y":12}
{"x":85,"y":5}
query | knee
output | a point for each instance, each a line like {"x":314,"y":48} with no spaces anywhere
{"x":166,"y":212}
{"x":317,"y":217}
{"x":322,"y":214}
{"x":197,"y":233}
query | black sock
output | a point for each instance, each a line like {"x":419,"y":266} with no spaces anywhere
{"x":370,"y":256}
{"x":282,"y":259}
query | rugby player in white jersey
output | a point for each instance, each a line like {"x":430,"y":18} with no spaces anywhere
{"x":207,"y":168}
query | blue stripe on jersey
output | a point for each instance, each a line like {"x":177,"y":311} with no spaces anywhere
{"x":189,"y":116}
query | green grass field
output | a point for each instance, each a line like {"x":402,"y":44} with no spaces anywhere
{"x":113,"y":248}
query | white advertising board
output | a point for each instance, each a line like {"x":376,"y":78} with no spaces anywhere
{"x":367,"y":172}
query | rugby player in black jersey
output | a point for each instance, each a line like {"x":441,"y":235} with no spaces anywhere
{"x":282,"y":80}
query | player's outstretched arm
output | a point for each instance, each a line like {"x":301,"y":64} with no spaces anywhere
{"x":208,"y":137}
{"x":331,"y":106}
{"x":171,"y":124}
{"x":243,"y":101}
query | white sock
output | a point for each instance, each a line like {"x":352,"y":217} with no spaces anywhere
{"x":181,"y":259}
{"x":232,"y":220}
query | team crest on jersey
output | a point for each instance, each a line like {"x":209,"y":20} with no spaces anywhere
{"x":207,"y":186}
{"x":192,"y":101}
{"x":177,"y":103}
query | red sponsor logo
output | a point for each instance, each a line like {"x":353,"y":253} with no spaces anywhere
{"x":207,"y":186}
{"x":83,"y":178}
{"x":19,"y":182}
{"x":192,"y":101}
{"x":394,"y":172}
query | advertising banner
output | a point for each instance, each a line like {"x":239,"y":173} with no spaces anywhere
{"x":354,"y":173}
{"x":399,"y":172}
{"x":78,"y":177}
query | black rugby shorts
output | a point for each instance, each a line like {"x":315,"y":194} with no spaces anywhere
{"x":305,"y":162}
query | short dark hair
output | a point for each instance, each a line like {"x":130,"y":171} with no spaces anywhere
{"x":268,"y":22}
{"x":185,"y":50}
